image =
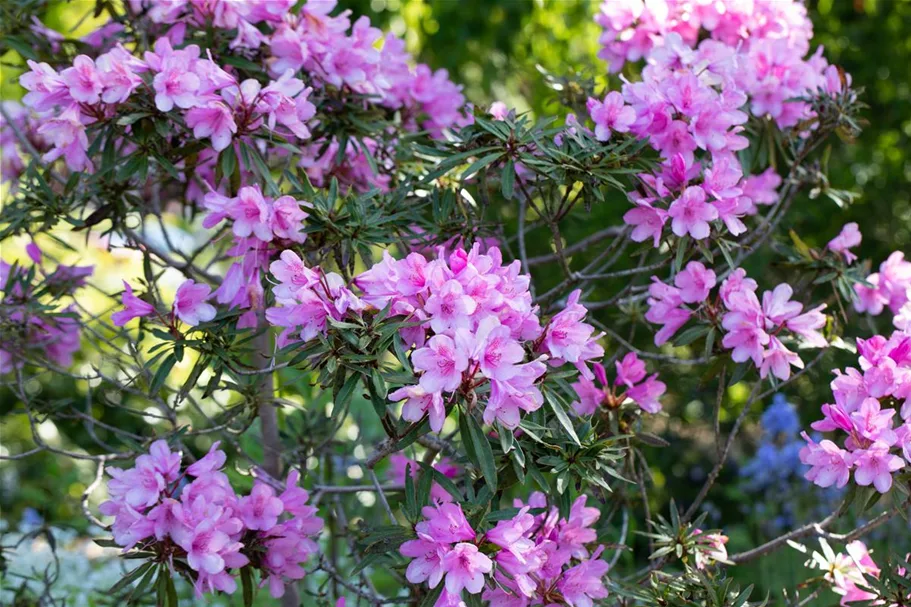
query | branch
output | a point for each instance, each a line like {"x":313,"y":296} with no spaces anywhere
{"x":579,"y":246}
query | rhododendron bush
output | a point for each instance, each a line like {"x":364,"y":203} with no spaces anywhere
{"x":347,"y":354}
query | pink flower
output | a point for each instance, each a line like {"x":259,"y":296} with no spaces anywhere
{"x":133,"y":307}
{"x":665,"y":308}
{"x":873,"y":423}
{"x":66,"y":133}
{"x":807,"y":326}
{"x":848,"y":238}
{"x":498,"y":110}
{"x":498,"y":352}
{"x":251,"y":213}
{"x":647,"y":221}
{"x":569,"y":339}
{"x":117,"y":72}
{"x":630,"y":370}
{"x":419,"y":402}
{"x":176,"y":84}
{"x":870,"y":299}
{"x":261,"y":509}
{"x":445,"y":524}
{"x":875,"y":466}
{"x":203,"y":543}
{"x":190,"y":303}
{"x":465,"y":567}
{"x":46,"y":87}
{"x":778,"y":359}
{"x":449,"y":307}
{"x":83,"y":80}
{"x":583,"y":583}
{"x":829,"y":465}
{"x":695,"y":282}
{"x":512,"y":534}
{"x":210,"y":462}
{"x":518,"y":393}
{"x":160,"y":457}
{"x":215,"y":121}
{"x":590,"y":396}
{"x":647,"y":393}
{"x":610,"y":115}
{"x":427,"y":563}
{"x":777,"y":305}
{"x":691,"y":214}
{"x":288,"y":219}
{"x":138,"y":487}
{"x":442,"y":363}
{"x":293,"y":275}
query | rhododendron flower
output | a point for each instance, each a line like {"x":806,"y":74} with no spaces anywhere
{"x":427,"y":563}
{"x":260,"y":509}
{"x":133,"y":307}
{"x":215,"y":121}
{"x":465,"y":567}
{"x":445,"y":523}
{"x":848,"y":238}
{"x":690,"y":214}
{"x":583,"y":583}
{"x":190,"y":303}
{"x":647,"y":221}
{"x":695,"y":282}
{"x":829,"y":464}
{"x":610,"y":115}
{"x":442,"y":363}
{"x":83,"y":80}
{"x":419,"y":402}
{"x":875,"y":466}
{"x":449,"y":307}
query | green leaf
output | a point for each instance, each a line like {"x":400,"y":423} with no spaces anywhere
{"x":480,"y":163}
{"x":161,"y":374}
{"x":130,"y":578}
{"x":508,"y":179}
{"x":344,"y":395}
{"x":479,"y":450}
{"x":446,"y":483}
{"x":562,"y":417}
{"x":681,"y":252}
{"x":411,"y":509}
{"x":431,"y":598}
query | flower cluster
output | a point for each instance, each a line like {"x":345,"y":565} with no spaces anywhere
{"x":474,"y":323}
{"x":526,"y":560}
{"x":751,"y":329}
{"x":631,"y":383}
{"x":890,"y":287}
{"x":203,"y":527}
{"x":756,"y":48}
{"x":190,"y":305}
{"x":695,"y":99}
{"x":865,"y":406}
{"x":28,"y":329}
{"x":214,"y":104}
